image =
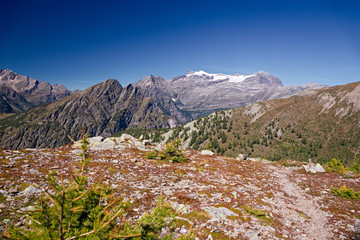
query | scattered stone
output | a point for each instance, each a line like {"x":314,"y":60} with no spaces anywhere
{"x":242,"y":157}
{"x":13,"y":190}
{"x":183,"y":230}
{"x":253,"y":235}
{"x":220,"y":213}
{"x":30,"y":190}
{"x":28,"y":208}
{"x":34,"y":171}
{"x":180,"y":208}
{"x":207,"y":152}
{"x":350,"y":174}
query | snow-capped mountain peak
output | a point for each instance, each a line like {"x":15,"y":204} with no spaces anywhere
{"x":219,"y":76}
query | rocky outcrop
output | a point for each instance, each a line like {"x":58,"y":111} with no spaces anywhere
{"x":32,"y":91}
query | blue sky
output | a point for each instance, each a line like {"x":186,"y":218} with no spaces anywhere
{"x":81,"y":43}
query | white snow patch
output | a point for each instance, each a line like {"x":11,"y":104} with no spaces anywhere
{"x":236,"y":78}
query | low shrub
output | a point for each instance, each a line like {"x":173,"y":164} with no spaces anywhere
{"x":151,"y":155}
{"x":172,"y":153}
{"x":345,"y":192}
{"x":335,"y":165}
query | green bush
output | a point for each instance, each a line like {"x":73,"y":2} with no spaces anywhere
{"x":172,"y":153}
{"x":75,"y":209}
{"x":345,"y":192}
{"x":151,"y":155}
{"x":335,"y":165}
{"x":355,"y":166}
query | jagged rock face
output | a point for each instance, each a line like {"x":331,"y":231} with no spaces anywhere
{"x":162,"y":92}
{"x":33,"y":91}
{"x":202,"y":93}
{"x":12,"y":102}
{"x":103,"y":109}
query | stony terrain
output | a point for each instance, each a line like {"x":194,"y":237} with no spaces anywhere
{"x":219,"y":197}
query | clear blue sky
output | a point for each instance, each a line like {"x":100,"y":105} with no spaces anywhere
{"x":81,"y":43}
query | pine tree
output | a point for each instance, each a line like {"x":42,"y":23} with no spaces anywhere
{"x":76,"y":209}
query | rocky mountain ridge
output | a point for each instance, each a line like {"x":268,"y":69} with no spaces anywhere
{"x":108,"y":107}
{"x":103,"y":109}
{"x":202,"y":93}
{"x":30,"y":92}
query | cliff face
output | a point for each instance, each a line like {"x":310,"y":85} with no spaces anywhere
{"x":103,"y":109}
{"x":31,"y":92}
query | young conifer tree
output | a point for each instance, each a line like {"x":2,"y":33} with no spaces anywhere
{"x":76,"y":209}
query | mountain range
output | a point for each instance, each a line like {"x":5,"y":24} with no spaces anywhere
{"x":107,"y":107}
{"x":19,"y":93}
{"x":201,"y":93}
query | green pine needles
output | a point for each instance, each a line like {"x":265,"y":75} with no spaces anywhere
{"x":75,"y":209}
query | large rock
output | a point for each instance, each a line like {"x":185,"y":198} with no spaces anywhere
{"x":220,"y":213}
{"x":207,"y":152}
{"x":107,"y":144}
{"x":30,"y":190}
{"x":242,"y":157}
{"x":313,"y":168}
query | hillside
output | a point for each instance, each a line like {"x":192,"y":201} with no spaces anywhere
{"x":217,"y":197}
{"x":318,"y":124}
{"x":103,"y":109}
